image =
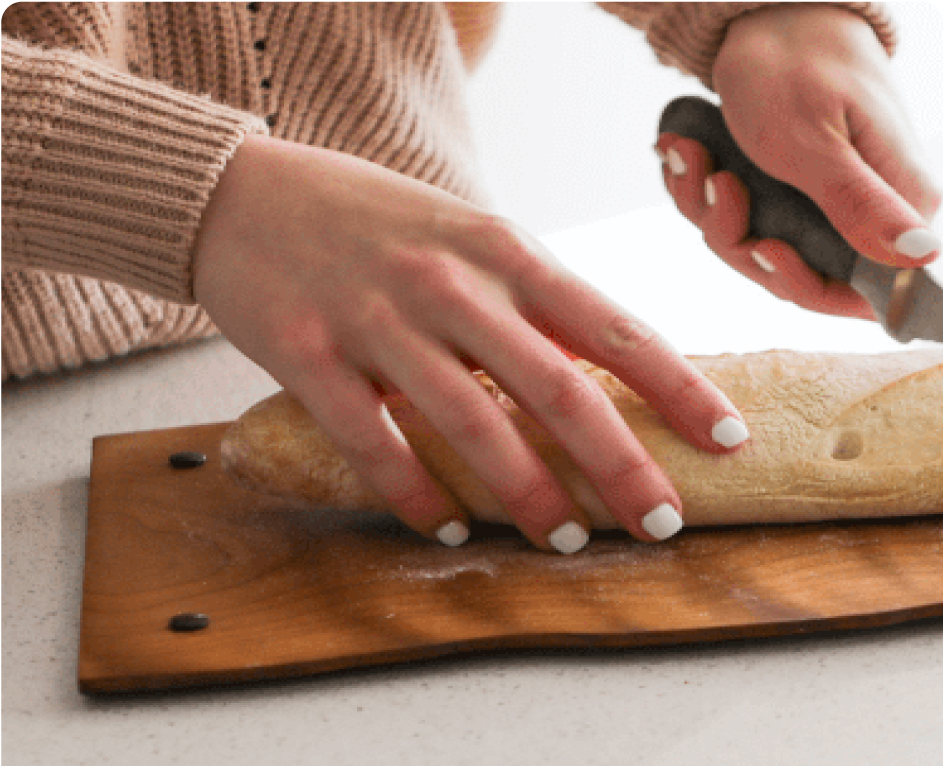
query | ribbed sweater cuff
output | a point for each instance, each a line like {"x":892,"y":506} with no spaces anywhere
{"x":689,"y":35}
{"x":106,"y":174}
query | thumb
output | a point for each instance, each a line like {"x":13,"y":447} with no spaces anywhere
{"x":860,"y":185}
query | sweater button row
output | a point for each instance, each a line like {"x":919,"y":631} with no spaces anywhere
{"x":266,"y":84}
{"x":260,"y":45}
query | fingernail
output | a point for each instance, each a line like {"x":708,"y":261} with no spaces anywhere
{"x":917,"y":243}
{"x":661,"y":153}
{"x":676,"y":163}
{"x":452,"y":534}
{"x":569,"y":537}
{"x":663,"y":522}
{"x":729,"y":432}
{"x":762,"y":262}
{"x":710,"y":194}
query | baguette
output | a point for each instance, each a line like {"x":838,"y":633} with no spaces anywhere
{"x":834,"y":436}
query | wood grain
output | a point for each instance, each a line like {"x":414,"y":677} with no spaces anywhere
{"x":293,"y":593}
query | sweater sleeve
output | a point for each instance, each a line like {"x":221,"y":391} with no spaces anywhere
{"x":106,"y":174}
{"x":688,"y":36}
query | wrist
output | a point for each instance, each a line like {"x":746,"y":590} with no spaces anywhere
{"x":781,"y":35}
{"x":226,"y":209}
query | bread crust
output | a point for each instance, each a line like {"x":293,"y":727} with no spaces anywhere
{"x":834,"y":436}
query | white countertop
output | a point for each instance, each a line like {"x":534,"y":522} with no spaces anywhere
{"x":870,"y":697}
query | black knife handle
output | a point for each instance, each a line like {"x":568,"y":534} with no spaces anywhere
{"x":777,"y":210}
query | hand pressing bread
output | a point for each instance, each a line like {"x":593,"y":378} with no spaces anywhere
{"x":835,"y":436}
{"x":347,"y":281}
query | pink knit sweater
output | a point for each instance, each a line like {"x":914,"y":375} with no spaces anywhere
{"x":119,"y":118}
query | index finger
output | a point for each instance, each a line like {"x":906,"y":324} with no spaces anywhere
{"x":591,"y":325}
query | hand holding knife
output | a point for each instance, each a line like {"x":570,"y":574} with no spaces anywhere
{"x":908,"y":302}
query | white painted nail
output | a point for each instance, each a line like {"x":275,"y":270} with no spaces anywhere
{"x":661,"y":153}
{"x":710,"y":194}
{"x":569,"y":537}
{"x":452,"y":534}
{"x":676,"y":163}
{"x":663,"y":522}
{"x":917,"y":243}
{"x":762,"y":262}
{"x":729,"y":432}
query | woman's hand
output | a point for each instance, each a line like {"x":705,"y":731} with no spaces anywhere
{"x":344,"y":280}
{"x":807,"y":93}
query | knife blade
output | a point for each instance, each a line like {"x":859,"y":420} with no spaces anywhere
{"x":908,"y":302}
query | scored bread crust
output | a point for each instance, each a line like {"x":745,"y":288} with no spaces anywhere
{"x":832,"y":436}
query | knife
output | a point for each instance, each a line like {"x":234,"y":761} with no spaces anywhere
{"x":908,"y":302}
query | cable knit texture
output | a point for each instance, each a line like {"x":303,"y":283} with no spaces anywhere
{"x":119,"y":118}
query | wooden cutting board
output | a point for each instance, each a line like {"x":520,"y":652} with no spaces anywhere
{"x":292,"y":593}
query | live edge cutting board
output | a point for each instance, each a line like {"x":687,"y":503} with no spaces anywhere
{"x":293,"y":593}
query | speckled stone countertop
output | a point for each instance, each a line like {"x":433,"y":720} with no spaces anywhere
{"x":870,"y":697}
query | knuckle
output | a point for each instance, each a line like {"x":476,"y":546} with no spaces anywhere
{"x":494,"y":230}
{"x":446,"y":283}
{"x":568,"y":393}
{"x":625,"y":333}
{"x":855,"y":201}
{"x":523,"y":500}
{"x":628,"y":471}
{"x":471,"y":423}
{"x":375,"y":312}
{"x":527,"y":268}
{"x":468,"y":430}
{"x":407,"y":263}
{"x":305,"y":340}
{"x":687,"y":384}
{"x":716,"y":243}
{"x":368,"y":459}
{"x":368,"y":451}
{"x":782,"y":291}
{"x":511,"y":250}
